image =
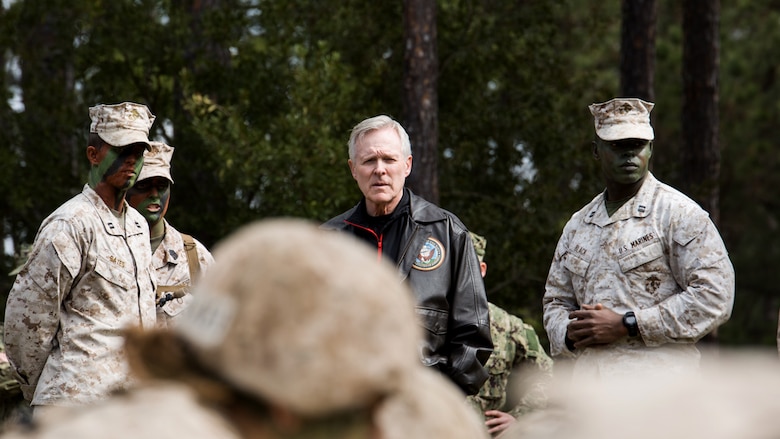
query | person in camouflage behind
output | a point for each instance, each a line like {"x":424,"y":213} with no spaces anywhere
{"x":179,"y":259}
{"x":12,"y":404}
{"x":13,"y":408}
{"x":517,"y":355}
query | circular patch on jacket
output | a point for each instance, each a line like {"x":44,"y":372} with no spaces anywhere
{"x":431,"y":255}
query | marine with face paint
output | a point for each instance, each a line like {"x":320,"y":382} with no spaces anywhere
{"x":179,"y":259}
{"x":429,"y":246}
{"x":640,"y":274}
{"x":88,"y":277}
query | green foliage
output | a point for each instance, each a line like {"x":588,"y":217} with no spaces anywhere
{"x":749,"y":117}
{"x":516,"y":146}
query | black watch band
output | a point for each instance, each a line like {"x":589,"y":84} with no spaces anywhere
{"x":629,"y":321}
{"x":569,"y":342}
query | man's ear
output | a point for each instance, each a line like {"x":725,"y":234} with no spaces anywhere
{"x":92,"y":155}
{"x":650,"y":147}
{"x":408,"y":166}
{"x":351,"y":168}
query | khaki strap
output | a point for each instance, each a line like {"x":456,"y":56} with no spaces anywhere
{"x":192,"y":256}
{"x":166,"y":293}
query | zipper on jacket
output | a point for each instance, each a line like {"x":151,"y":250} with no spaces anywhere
{"x":378,"y":238}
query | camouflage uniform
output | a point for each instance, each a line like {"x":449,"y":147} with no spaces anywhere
{"x":12,"y":404}
{"x":515,"y":345}
{"x":737,"y":398}
{"x":660,"y":256}
{"x":146,"y":412}
{"x":172,"y":269}
{"x":89,"y":276}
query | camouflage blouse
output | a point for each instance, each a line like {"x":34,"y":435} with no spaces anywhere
{"x":658,"y":255}
{"x":89,"y":277}
{"x":517,"y":355}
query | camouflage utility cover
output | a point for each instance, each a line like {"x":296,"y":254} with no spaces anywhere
{"x":660,"y":256}
{"x":157,"y":162}
{"x":161,"y":411}
{"x":516,"y":351}
{"x":121,"y":124}
{"x":87,"y":279}
{"x":735,"y":398}
{"x":172,"y":269}
{"x":283,"y":315}
{"x":427,"y":406}
{"x":623,"y":118}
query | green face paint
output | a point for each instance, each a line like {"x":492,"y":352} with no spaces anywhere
{"x":150,"y":197}
{"x":119,"y":167}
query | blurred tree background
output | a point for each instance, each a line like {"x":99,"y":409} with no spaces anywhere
{"x":258,"y":97}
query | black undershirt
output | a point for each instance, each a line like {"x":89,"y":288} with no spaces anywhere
{"x":389,"y":227}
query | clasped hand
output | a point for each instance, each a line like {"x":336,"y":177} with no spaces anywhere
{"x":595,"y":325}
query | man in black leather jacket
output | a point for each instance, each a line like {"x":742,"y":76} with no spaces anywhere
{"x":430,"y":246}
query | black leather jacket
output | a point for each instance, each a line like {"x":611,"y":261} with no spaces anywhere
{"x":438,"y":261}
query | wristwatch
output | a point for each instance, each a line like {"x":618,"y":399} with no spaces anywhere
{"x":629,"y":321}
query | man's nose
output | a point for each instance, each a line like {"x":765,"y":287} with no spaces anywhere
{"x":133,"y":158}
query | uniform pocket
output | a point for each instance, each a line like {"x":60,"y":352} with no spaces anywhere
{"x":641,"y":257}
{"x":114,"y":274}
{"x":575,"y":264}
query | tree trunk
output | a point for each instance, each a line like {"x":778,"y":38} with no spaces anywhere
{"x":45,"y":34}
{"x":420,"y":97}
{"x":701,"y":151}
{"x":637,"y":49}
{"x":700,"y":122}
